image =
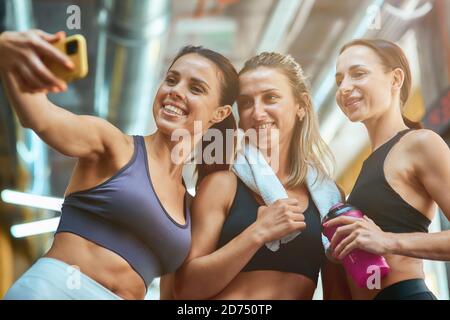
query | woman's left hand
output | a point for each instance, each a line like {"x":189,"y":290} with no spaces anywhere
{"x":358,"y":233}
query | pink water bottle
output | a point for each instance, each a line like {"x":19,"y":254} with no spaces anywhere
{"x":359,"y":264}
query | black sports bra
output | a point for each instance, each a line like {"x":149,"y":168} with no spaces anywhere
{"x":373,"y":195}
{"x":303,"y":255}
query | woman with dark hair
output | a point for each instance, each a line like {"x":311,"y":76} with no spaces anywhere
{"x":401,"y":182}
{"x":125,"y":218}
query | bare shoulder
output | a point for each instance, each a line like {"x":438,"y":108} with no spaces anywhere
{"x":113,"y":138}
{"x":423,"y":142}
{"x":118,"y":147}
{"x":425,"y":149}
{"x":107,"y":129}
{"x":217,"y":189}
{"x":223,"y":178}
{"x":111,"y":141}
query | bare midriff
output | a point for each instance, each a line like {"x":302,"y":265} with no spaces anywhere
{"x":98,"y":263}
{"x":401,"y":268}
{"x":268,"y":285}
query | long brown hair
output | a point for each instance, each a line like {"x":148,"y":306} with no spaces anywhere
{"x":392,"y":57}
{"x":228,"y":94}
{"x":307,"y":146}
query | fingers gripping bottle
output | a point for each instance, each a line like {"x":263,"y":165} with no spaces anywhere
{"x":359,"y":264}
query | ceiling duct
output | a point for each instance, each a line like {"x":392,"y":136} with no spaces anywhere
{"x":129,"y":61}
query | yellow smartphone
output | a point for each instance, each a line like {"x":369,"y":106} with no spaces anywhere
{"x":75,"y":47}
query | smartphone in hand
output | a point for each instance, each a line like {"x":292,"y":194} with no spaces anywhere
{"x":76,"y":49}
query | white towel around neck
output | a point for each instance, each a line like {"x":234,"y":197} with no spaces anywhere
{"x":252,"y":168}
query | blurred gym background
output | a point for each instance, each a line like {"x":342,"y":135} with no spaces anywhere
{"x":130,"y":44}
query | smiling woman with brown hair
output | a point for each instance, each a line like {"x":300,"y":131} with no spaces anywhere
{"x":401,"y":182}
{"x":125,"y":218}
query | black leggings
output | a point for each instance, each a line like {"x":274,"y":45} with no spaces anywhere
{"x":414,"y":289}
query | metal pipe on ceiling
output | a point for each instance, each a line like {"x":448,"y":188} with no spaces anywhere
{"x":284,"y":13}
{"x":129,"y":61}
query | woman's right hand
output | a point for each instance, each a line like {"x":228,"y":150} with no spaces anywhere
{"x":21,"y":54}
{"x":278,"y":220}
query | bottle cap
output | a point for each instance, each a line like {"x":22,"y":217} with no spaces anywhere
{"x":338,"y":209}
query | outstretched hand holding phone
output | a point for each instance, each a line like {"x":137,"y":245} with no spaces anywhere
{"x":34,"y":63}
{"x":22,"y":54}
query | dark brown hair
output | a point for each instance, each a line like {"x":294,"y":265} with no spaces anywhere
{"x":392,"y":57}
{"x":228,"y":94}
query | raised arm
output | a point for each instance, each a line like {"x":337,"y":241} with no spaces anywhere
{"x":207,"y":271}
{"x":73,"y":135}
{"x":23,"y":54}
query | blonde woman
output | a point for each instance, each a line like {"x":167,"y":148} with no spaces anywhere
{"x":228,"y":259}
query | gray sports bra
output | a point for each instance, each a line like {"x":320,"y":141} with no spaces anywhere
{"x":124,"y":215}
